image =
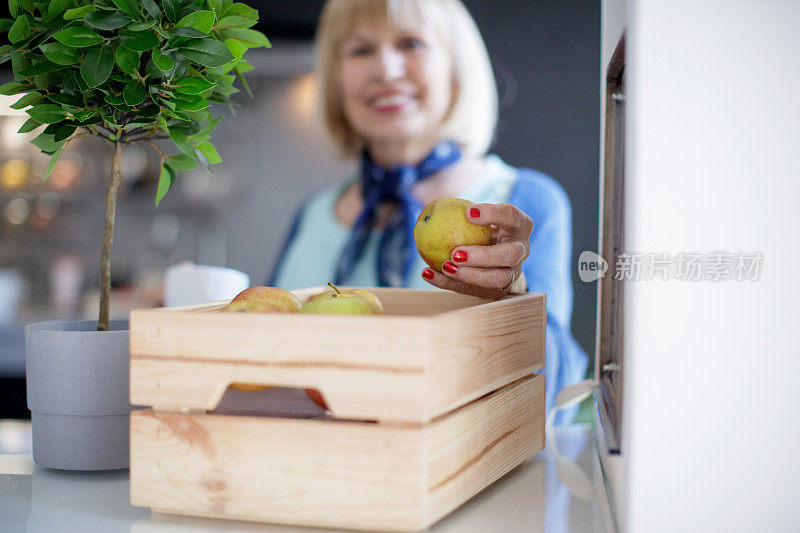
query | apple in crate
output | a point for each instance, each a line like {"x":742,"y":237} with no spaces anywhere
{"x":348,"y":302}
{"x":264,"y":300}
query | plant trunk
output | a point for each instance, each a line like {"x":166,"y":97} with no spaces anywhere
{"x":108,"y":238}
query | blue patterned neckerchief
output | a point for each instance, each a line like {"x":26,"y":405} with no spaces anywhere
{"x":393,"y":185}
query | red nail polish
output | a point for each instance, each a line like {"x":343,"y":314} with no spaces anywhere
{"x":460,"y":256}
{"x":427,"y":273}
{"x":474,"y":212}
{"x":449,"y":267}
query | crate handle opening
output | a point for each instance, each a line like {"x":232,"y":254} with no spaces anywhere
{"x":255,"y":399}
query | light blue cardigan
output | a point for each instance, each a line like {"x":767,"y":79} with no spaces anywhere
{"x":316,"y":239}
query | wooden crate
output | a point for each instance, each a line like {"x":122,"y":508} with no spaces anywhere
{"x":429,"y":403}
{"x":432,"y":352}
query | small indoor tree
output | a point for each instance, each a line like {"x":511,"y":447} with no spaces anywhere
{"x":127,"y":71}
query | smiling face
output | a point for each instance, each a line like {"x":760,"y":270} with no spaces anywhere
{"x":396,"y":85}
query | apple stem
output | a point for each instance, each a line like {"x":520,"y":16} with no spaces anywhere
{"x":334,"y":287}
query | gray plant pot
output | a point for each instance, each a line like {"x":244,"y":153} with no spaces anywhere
{"x":77,"y":379}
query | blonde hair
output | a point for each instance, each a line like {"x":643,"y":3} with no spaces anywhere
{"x":472,"y":118}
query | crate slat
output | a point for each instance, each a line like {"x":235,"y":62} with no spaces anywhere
{"x":355,"y":475}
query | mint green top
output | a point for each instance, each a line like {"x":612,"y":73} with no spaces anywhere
{"x":310,"y":260}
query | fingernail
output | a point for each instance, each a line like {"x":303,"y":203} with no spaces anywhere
{"x":460,"y":256}
{"x":474,"y":212}
{"x":427,"y":273}
{"x":449,"y":267}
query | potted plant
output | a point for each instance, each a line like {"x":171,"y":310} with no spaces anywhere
{"x":126,"y":71}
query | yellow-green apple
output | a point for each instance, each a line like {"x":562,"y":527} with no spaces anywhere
{"x":364,"y":293}
{"x":443,"y":226}
{"x":340,"y":303}
{"x":264,"y":300}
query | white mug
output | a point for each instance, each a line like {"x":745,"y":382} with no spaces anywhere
{"x":189,"y":284}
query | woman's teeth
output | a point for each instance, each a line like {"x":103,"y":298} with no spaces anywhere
{"x":389,"y":101}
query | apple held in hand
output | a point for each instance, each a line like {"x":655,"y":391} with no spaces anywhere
{"x":443,"y":226}
{"x":355,"y":302}
{"x":264,"y":300}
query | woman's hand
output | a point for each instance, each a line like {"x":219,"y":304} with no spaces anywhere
{"x":489,"y":271}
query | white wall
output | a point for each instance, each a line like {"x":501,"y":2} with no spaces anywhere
{"x":711,"y":439}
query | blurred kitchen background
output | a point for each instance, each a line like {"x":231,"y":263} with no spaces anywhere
{"x":546,"y":60}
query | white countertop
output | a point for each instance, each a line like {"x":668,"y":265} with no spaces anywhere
{"x":529,"y":499}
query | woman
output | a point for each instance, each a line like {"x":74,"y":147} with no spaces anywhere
{"x":407,"y":86}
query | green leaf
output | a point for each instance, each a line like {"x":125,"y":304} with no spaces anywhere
{"x":199,"y":20}
{"x":65,"y":99}
{"x":238,"y":49}
{"x":165,"y":181}
{"x":64,"y":131}
{"x":177,"y":33}
{"x":119,"y":103}
{"x":26,"y":100}
{"x":128,"y":7}
{"x":6,"y":48}
{"x":149,"y":111}
{"x":97,"y":65}
{"x":47,"y":113}
{"x":19,"y":62}
{"x":13,"y":8}
{"x":140,"y":41}
{"x":243,"y":82}
{"x":190,"y":103}
{"x":241,"y":10}
{"x":235,"y":21}
{"x":162,"y":61}
{"x":78,"y":36}
{"x":207,"y":52}
{"x":30,"y":125}
{"x":182,"y":162}
{"x":14,"y":87}
{"x":53,"y":160}
{"x":199,"y":118}
{"x":78,"y":12}
{"x":194,"y":86}
{"x":151,"y":7}
{"x":181,"y":142}
{"x":78,"y":79}
{"x":83,"y":116}
{"x":60,"y":53}
{"x":107,"y":20}
{"x":54,"y":9}
{"x":244,"y":66}
{"x":40,"y":68}
{"x":210,"y":153}
{"x":115,"y":99}
{"x":171,"y":8}
{"x":134,"y":93}
{"x":46,"y":144}
{"x":128,"y":60}
{"x":177,"y":114}
{"x":140,"y":26}
{"x":205,"y":133}
{"x":20,"y":30}
{"x":252,"y":38}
